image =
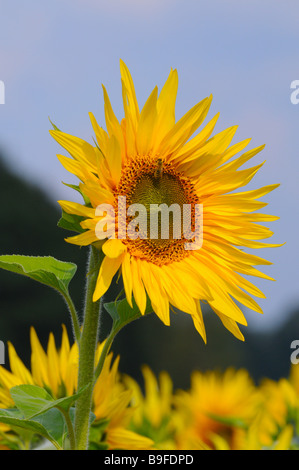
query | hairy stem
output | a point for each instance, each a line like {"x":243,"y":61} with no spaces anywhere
{"x":116,"y":327}
{"x":88,"y":343}
{"x":70,"y":428}
{"x":74,"y":316}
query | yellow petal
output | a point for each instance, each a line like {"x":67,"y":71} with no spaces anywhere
{"x":225,"y":181}
{"x":113,"y":126}
{"x":255,"y":193}
{"x":70,"y":378}
{"x":190,"y":278}
{"x":213,"y":147}
{"x":284,"y":439}
{"x":235,"y":164}
{"x":230,"y":325}
{"x":64,"y":353}
{"x":114,"y":159}
{"x":205,"y":156}
{"x":138,"y":287}
{"x":166,"y":108}
{"x":184,"y":128}
{"x":199,"y":323}
{"x":77,"y":209}
{"x":101,"y":135}
{"x":113,"y":248}
{"x":232,"y":151}
{"x":53,"y":365}
{"x":130,"y":129}
{"x":76,"y":168}
{"x":78,"y":148}
{"x":120,"y":438}
{"x":39,"y":361}
{"x":156,"y":294}
{"x":177,"y":292}
{"x":96,"y":194}
{"x":191,"y":147}
{"x":129,"y":93}
{"x":221,"y":301}
{"x":146,"y":124}
{"x":108,"y":269}
{"x":17,"y":367}
{"x":127,"y":278}
{"x":84,"y":239}
{"x":8,"y":380}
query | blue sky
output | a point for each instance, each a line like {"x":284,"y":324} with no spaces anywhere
{"x":55,"y":55}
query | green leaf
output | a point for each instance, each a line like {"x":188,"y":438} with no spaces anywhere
{"x":54,"y":423}
{"x":121,"y":312}
{"x":228,"y":420}
{"x":47,"y":270}
{"x":15,"y":420}
{"x":30,"y":399}
{"x":71,"y":222}
{"x":33,"y":400}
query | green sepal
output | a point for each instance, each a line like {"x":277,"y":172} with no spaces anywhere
{"x":228,"y":420}
{"x":54,"y":126}
{"x":78,"y":189}
{"x":97,"y":435}
{"x":71,"y":222}
{"x":122,"y":313}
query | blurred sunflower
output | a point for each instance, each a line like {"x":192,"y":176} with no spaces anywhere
{"x":279,"y":415}
{"x":294,"y":379}
{"x":282,"y":441}
{"x":154,"y":414}
{"x":56,"y":371}
{"x":218,"y":409}
{"x":149,"y":158}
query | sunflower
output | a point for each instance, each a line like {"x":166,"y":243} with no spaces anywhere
{"x":111,"y":402}
{"x":280,"y":410}
{"x":218,"y":409}
{"x":154,"y":415}
{"x":56,"y":370}
{"x":150,"y":159}
{"x":294,"y":378}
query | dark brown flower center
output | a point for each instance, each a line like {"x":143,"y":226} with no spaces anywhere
{"x":163,"y":193}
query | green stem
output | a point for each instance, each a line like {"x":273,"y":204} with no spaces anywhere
{"x":87,"y":351}
{"x":116,"y":327}
{"x":70,"y":428}
{"x":75,"y":320}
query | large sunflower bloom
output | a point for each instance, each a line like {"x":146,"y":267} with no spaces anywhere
{"x":56,"y":370}
{"x":150,"y":158}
